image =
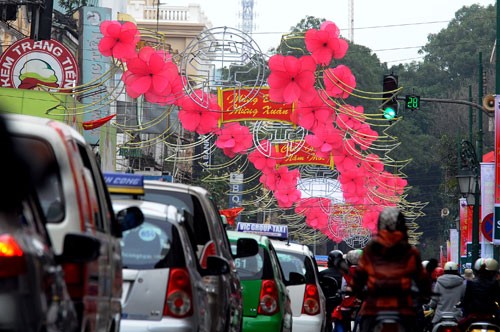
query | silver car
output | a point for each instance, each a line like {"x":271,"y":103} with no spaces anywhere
{"x":162,"y":288}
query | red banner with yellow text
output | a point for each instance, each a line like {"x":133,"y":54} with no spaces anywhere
{"x":244,"y":105}
{"x":303,"y":154}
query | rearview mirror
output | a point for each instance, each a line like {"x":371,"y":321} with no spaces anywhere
{"x":79,"y":248}
{"x":246,"y":248}
{"x":329,"y":285}
{"x":216,"y":266}
{"x":129,"y":218}
{"x":295,"y":278}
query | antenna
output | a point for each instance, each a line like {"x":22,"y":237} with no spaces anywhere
{"x":351,"y":20}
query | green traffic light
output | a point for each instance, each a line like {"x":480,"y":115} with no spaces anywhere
{"x":389,"y":113}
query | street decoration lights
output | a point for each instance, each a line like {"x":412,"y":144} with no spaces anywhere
{"x":468,"y":181}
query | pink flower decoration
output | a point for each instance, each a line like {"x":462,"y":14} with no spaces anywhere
{"x":325,"y":44}
{"x":339,"y":81}
{"x":370,"y":218}
{"x":234,"y":139}
{"x":364,"y":136}
{"x":314,"y":113}
{"x":264,"y":163}
{"x":350,"y":117}
{"x":291,"y":79}
{"x":118,"y":40}
{"x":199,"y":119}
{"x":344,"y":159}
{"x":325,"y":141}
{"x":331,"y":27}
{"x":280,"y":179}
{"x":372,"y":164}
{"x":151,"y":75}
{"x":287,"y":197}
{"x":352,"y":183}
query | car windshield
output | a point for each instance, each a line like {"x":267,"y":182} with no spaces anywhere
{"x":291,"y":262}
{"x":250,"y":268}
{"x":154,"y":244}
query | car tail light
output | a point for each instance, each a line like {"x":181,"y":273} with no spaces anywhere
{"x":448,"y":329}
{"x":311,"y":300}
{"x":268,"y":298}
{"x":179,"y":299}
{"x":12,"y":262}
{"x":74,"y":275}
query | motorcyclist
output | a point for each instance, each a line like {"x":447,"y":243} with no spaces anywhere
{"x":482,"y":294}
{"x":344,"y":312}
{"x":448,"y":292}
{"x":388,"y":268}
{"x":335,"y":259}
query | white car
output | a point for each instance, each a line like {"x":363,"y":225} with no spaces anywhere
{"x":308,"y":300}
{"x":75,"y":200}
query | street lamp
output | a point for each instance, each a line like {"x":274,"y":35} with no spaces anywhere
{"x":468,"y":181}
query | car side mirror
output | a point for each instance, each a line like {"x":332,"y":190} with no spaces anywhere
{"x":329,"y":285}
{"x":295,"y":278}
{"x":246,"y":248}
{"x":129,"y":218}
{"x":79,"y":248}
{"x":216,"y":266}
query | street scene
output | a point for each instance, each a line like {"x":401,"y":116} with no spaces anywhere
{"x":203,"y":166}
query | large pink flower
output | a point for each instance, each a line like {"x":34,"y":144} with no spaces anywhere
{"x":262,"y":162}
{"x":364,"y":136}
{"x":339,"y":81}
{"x":347,"y":157}
{"x":118,"y":40}
{"x":234,"y":139}
{"x":314,"y":113}
{"x":325,"y":141}
{"x":353,"y":186}
{"x":280,"y":179}
{"x":194,"y":117}
{"x":350,"y":117}
{"x":151,"y":75}
{"x":325,"y":44}
{"x":286,"y":197}
{"x":291,"y":79}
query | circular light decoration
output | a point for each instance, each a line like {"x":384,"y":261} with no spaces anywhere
{"x":289,"y":137}
{"x":223,"y":58}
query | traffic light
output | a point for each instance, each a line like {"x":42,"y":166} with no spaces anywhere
{"x":390,"y":105}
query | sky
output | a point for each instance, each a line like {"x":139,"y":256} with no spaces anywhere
{"x":393,"y":29}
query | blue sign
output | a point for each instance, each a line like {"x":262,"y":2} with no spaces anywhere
{"x":124,"y":183}
{"x":269,"y":230}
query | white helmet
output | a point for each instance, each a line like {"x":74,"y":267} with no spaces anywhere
{"x":353,"y":256}
{"x":489,"y":264}
{"x":424,"y":264}
{"x":450,"y":266}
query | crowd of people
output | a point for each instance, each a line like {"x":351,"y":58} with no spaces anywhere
{"x":388,"y":279}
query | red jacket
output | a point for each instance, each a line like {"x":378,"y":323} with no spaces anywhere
{"x":385,"y":274}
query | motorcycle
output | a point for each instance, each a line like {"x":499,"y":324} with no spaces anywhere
{"x":448,"y":323}
{"x":483,"y":326}
{"x":388,"y":321}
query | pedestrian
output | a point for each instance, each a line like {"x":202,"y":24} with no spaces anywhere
{"x":388,"y":268}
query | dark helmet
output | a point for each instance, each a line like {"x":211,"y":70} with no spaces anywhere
{"x":335,"y":257}
{"x":391,"y":219}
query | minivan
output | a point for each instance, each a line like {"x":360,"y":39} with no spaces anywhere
{"x":74,"y":199}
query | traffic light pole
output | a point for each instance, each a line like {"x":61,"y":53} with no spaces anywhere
{"x":454,"y":101}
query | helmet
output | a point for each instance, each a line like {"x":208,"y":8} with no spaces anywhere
{"x":424,"y":264}
{"x":391,"y":219}
{"x":489,"y":264}
{"x":438,"y":271}
{"x":353,"y":256}
{"x":451,"y":266}
{"x":335,"y":257}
